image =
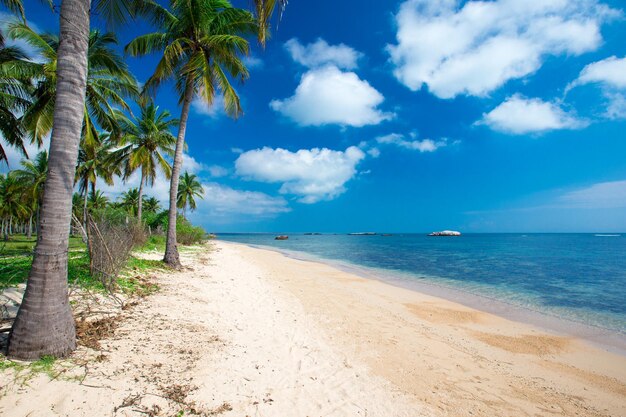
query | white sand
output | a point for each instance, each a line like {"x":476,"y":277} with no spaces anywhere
{"x":251,"y":332}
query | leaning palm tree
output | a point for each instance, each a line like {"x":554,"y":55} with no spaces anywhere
{"x":147,"y":140}
{"x":33,"y":176}
{"x":44,"y":324}
{"x":201,"y":42}
{"x":15,"y":89}
{"x":188,"y":188}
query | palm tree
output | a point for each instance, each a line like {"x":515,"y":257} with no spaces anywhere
{"x":98,"y":200}
{"x":15,"y":89}
{"x":95,"y":159}
{"x":11,"y":202}
{"x":129,"y":201}
{"x":151,"y":205}
{"x":108,"y":82}
{"x":32,"y":176}
{"x":147,"y":139}
{"x":201,"y":41}
{"x":188,"y":188}
{"x":44,"y":324}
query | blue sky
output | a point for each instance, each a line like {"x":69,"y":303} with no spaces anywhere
{"x":416,"y":115}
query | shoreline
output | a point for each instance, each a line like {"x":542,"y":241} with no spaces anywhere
{"x":611,"y":340}
{"x":247,"y":331}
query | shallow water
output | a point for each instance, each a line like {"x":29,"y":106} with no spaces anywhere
{"x":578,"y":277}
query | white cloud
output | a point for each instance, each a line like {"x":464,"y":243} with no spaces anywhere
{"x":329,"y":96}
{"x":320,"y":53}
{"x":220,"y":200}
{"x":475,"y":47}
{"x":217,"y":171}
{"x":616,"y":108}
{"x":610,"y":194}
{"x":14,"y":156}
{"x":313,"y":175}
{"x":5,"y":20}
{"x":191,"y":165}
{"x":215,"y":110}
{"x":252,"y":62}
{"x":424,"y":145}
{"x":610,"y":71}
{"x":518,"y":115}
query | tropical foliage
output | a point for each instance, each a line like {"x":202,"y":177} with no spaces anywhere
{"x":76,"y":92}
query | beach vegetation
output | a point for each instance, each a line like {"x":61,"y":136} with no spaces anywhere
{"x":76,"y":92}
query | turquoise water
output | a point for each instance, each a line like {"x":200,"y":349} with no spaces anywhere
{"x":579,"y":277}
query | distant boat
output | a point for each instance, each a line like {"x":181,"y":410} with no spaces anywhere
{"x":445,"y":233}
{"x":362,"y":234}
{"x":312,"y":234}
{"x":281,"y":237}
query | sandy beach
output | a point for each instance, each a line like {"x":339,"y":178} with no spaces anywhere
{"x":250,"y":332}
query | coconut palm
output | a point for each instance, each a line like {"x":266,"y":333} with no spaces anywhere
{"x":44,"y":324}
{"x":32,"y":176}
{"x":97,"y":200}
{"x":15,"y":89}
{"x":188,"y":188}
{"x":96,"y":158}
{"x":129,"y":201}
{"x":201,"y":41}
{"x":11,"y":203}
{"x":108,"y":82}
{"x":151,"y":205}
{"x":148,"y":139}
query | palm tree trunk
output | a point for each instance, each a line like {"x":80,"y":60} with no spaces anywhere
{"x":44,"y":324}
{"x":140,"y":202}
{"x":85,"y":201}
{"x":171,"y":252}
{"x":30,"y":226}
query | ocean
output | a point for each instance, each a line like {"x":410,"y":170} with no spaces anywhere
{"x":576,"y":278}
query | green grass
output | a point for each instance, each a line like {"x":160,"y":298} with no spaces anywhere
{"x":154,"y":243}
{"x":21,"y":245}
{"x":44,"y":365}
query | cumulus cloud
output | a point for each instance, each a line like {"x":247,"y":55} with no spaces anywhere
{"x":311,"y":174}
{"x":518,"y":115}
{"x":222,"y":201}
{"x":320,"y":53}
{"x":424,"y":145}
{"x":217,"y":171}
{"x":474,"y":47}
{"x":330,"y":96}
{"x":610,"y":73}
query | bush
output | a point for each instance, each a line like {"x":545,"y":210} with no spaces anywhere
{"x":188,"y":234}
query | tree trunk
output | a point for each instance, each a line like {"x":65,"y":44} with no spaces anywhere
{"x":44,"y":324}
{"x":85,"y":201}
{"x":30,"y":226}
{"x":140,"y":202}
{"x":171,"y":252}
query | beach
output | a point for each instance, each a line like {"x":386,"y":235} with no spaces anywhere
{"x":247,"y":331}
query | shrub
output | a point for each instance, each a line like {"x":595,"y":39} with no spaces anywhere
{"x":188,"y":234}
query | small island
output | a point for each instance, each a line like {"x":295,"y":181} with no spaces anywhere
{"x":445,"y":233}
